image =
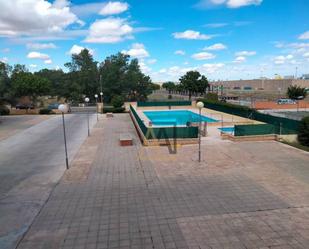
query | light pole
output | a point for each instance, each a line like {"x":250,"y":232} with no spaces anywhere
{"x":101,"y":94}
{"x":199,"y":105}
{"x":64,"y":109}
{"x":298,"y":99}
{"x":96,"y":102}
{"x":87,"y":100}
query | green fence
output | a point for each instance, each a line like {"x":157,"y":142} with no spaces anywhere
{"x":259,"y":129}
{"x":163,"y":103}
{"x":287,"y":126}
{"x":164,"y":132}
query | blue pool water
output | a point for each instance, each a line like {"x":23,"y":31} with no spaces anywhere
{"x":229,"y":130}
{"x":179,"y":117}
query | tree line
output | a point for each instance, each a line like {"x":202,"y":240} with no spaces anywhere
{"x":117,"y":75}
{"x":192,"y":83}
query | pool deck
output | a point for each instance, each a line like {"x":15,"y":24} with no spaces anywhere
{"x":248,"y":195}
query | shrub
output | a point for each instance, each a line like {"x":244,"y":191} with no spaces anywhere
{"x":117,"y":101}
{"x":303,"y":131}
{"x":4,"y":110}
{"x":212,"y":96}
{"x":46,"y":111}
{"x":113,"y":109}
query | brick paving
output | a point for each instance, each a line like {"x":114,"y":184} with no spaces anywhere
{"x":144,"y":197}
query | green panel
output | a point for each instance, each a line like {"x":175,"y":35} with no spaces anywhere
{"x":165,"y":132}
{"x":259,"y":129}
{"x":164,"y":103}
{"x":172,"y":132}
{"x":287,"y":126}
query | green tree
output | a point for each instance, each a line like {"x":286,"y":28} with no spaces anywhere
{"x":120,"y":76}
{"x":194,"y":82}
{"x":169,"y":86}
{"x":296,"y":92}
{"x":5,"y":81}
{"x":56,"y":78}
{"x":27,"y":84}
{"x":83,"y":75}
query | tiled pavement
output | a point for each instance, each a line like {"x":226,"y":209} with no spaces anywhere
{"x":144,"y":197}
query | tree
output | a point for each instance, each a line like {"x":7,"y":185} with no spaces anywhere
{"x":83,"y":75}
{"x":194,"y":82}
{"x":296,"y":92}
{"x":5,"y":80}
{"x":120,"y":76}
{"x":169,"y":86}
{"x":56,"y":78}
{"x":27,"y":84}
{"x":303,"y":131}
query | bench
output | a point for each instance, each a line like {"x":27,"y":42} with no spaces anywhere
{"x":125,"y":139}
{"x":109,"y":115}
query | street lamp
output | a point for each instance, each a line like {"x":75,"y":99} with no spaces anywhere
{"x":298,"y":99}
{"x":199,"y":105}
{"x":64,"y":109}
{"x":96,"y":102}
{"x":87,"y":100}
{"x":101,"y":94}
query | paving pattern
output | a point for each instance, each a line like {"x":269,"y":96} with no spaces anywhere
{"x":144,"y":197}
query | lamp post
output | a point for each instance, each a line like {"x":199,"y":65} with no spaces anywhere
{"x":101,"y":94}
{"x":199,"y":105}
{"x":96,"y":102}
{"x":64,"y":109}
{"x":87,"y":100}
{"x":298,"y":99}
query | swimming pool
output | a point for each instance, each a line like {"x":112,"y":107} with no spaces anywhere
{"x":179,"y":117}
{"x":229,"y":130}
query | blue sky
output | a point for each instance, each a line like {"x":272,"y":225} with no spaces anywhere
{"x":223,"y":39}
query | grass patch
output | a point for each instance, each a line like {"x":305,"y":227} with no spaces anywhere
{"x":296,"y":145}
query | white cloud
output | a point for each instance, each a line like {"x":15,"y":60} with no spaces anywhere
{"x":191,"y":35}
{"x":112,"y":8}
{"x":211,"y":68}
{"x":138,"y":51}
{"x":152,"y":61}
{"x":304,"y":36}
{"x":216,"y":25}
{"x":306,"y":55}
{"x":245,"y":53}
{"x":35,"y":17}
{"x":144,"y":68}
{"x":4,"y":60}
{"x":228,"y":3}
{"x":203,"y":56}
{"x":242,"y":3}
{"x":33,"y":65}
{"x":180,"y":52}
{"x":75,"y":49}
{"x":37,"y":55}
{"x":49,"y":61}
{"x":281,"y":59}
{"x":40,"y":46}
{"x":217,"y":46}
{"x":109,"y":30}
{"x":239,"y":59}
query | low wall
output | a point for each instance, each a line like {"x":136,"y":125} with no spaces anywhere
{"x":271,"y":137}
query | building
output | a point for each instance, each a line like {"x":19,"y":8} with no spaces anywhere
{"x":272,"y":85}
